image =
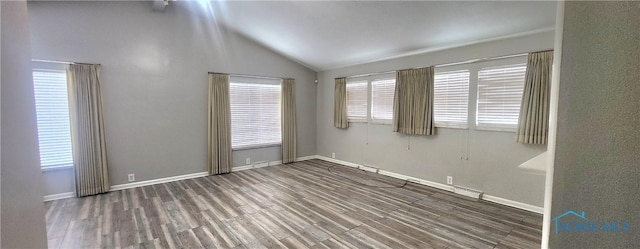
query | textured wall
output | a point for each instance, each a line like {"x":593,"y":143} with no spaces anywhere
{"x":154,"y":81}
{"x":493,"y":156}
{"x":23,"y":223}
{"x":597,"y":165}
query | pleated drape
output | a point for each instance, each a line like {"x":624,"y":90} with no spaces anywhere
{"x":87,"y":130}
{"x":413,"y":101}
{"x":219,"y":128}
{"x":340,"y":104}
{"x":288,"y":121}
{"x":533,"y":123}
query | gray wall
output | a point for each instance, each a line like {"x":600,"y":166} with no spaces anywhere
{"x":493,"y":156}
{"x":597,"y":160}
{"x":154,"y":81}
{"x":23,"y":224}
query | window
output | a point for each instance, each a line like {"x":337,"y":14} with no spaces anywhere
{"x":499,"y":95}
{"x":451,"y":99}
{"x":52,"y":114}
{"x":357,"y":101}
{"x":382,"y":92}
{"x":255,"y":112}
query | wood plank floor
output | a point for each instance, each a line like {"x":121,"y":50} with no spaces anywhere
{"x":309,"y":204}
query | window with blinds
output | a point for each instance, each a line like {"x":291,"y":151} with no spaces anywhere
{"x":255,"y":112}
{"x":52,"y":114}
{"x":451,"y":99}
{"x":357,"y":100}
{"x":499,"y":96}
{"x":382,"y":92}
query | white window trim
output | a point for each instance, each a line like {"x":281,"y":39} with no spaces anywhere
{"x":56,"y":168}
{"x":57,"y":68}
{"x":256,"y":81}
{"x":359,"y":119}
{"x":499,"y":63}
{"x":256,"y":146}
{"x":369,"y":79}
{"x":496,"y":129}
{"x":447,"y":125}
{"x":370,"y":99}
{"x":451,"y":125}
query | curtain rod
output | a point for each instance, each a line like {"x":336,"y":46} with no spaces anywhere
{"x":454,"y":63}
{"x":65,"y":62}
{"x":253,"y":76}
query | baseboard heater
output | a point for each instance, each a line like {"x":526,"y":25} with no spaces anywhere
{"x":369,"y":168}
{"x":472,"y":193}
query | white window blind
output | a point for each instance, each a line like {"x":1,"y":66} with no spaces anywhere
{"x":357,"y":100}
{"x":499,"y":95}
{"x":52,"y":114}
{"x":451,"y":99}
{"x":255,"y":112}
{"x":382,"y":92}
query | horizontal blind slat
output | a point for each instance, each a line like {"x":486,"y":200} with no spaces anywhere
{"x":499,"y":96}
{"x":255,"y":112}
{"x":357,"y":100}
{"x":382,"y":94}
{"x":52,"y":114}
{"x":451,"y":99}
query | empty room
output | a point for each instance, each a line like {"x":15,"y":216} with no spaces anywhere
{"x":320,"y":124}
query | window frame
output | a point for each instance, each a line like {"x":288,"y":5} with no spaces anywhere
{"x":59,"y":68}
{"x":255,"y":81}
{"x":369,"y":79}
{"x":370,"y":91}
{"x":455,"y":69}
{"x":367,"y":97}
{"x":502,"y":63}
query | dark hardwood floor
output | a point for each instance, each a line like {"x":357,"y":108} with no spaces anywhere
{"x":308,"y":204}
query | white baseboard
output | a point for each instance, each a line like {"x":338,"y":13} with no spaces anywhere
{"x":304,"y":158}
{"x":446,"y":187}
{"x":241,"y":168}
{"x":417,"y":180}
{"x":333,"y":160}
{"x":54,"y":197}
{"x":173,"y":178}
{"x":471,"y":193}
{"x":274,"y":163}
{"x":157,"y":181}
{"x":511,"y":203}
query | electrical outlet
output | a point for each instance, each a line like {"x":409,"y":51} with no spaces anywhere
{"x":450,"y":180}
{"x":248,"y":160}
{"x":132,"y":177}
{"x":333,"y":155}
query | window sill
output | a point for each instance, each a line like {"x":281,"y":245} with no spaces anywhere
{"x":377,"y":122}
{"x":258,"y":146}
{"x":357,"y":121}
{"x":56,"y":168}
{"x":451,"y":127}
{"x":496,"y":129}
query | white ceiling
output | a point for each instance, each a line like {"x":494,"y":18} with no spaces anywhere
{"x":327,"y":35}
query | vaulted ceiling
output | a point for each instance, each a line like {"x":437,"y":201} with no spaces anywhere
{"x":327,"y":35}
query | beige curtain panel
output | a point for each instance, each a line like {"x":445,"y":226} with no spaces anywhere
{"x":340,"y":104}
{"x":288,"y":121}
{"x":413,"y":102}
{"x":87,"y":130}
{"x":219,"y":130}
{"x":533,"y":124}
